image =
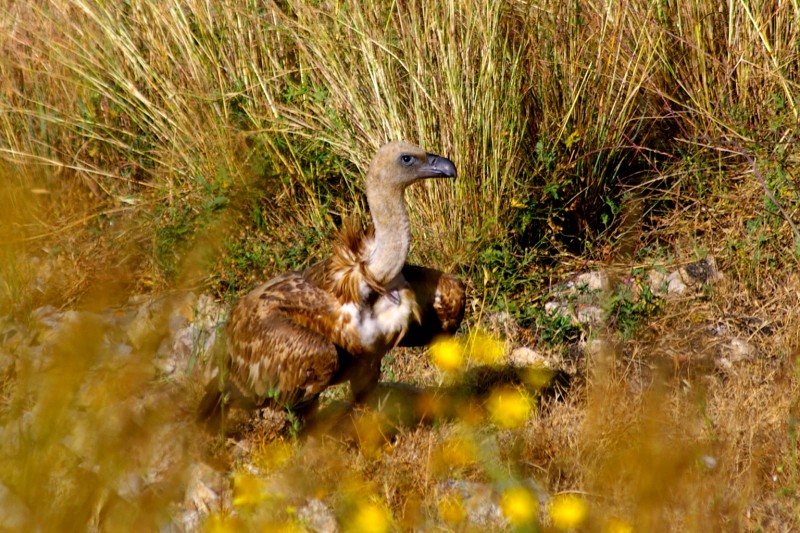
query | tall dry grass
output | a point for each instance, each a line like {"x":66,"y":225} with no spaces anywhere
{"x":546,"y":107}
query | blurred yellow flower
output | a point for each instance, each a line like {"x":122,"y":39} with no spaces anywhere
{"x":220,"y":523}
{"x":509,"y":407}
{"x":519,"y":506}
{"x":370,"y":518}
{"x":448,"y":354}
{"x":451,"y":510}
{"x":617,"y":525}
{"x":485,"y":348}
{"x":568,"y":511}
{"x":247,"y":489}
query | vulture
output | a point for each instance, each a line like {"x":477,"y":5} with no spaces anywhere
{"x":297,"y":334}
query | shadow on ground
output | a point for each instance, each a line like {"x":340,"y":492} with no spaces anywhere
{"x":393,"y":407}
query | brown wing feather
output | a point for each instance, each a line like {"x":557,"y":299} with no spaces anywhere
{"x":345,"y":272}
{"x":441,"y":298}
{"x":279,"y":343}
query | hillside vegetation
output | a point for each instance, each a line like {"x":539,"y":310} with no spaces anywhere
{"x":156,"y":147}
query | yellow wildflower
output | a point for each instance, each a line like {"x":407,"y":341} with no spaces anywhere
{"x":568,"y":511}
{"x":509,"y":407}
{"x":519,"y":506}
{"x":448,"y":354}
{"x":247,"y":489}
{"x":370,"y":518}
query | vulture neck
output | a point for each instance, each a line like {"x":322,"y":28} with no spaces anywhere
{"x":387,"y":205}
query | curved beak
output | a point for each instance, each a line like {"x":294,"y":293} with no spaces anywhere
{"x":438,"y":167}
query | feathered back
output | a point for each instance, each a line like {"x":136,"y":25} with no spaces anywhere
{"x":345,"y":274}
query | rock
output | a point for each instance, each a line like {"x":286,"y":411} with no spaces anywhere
{"x":317,"y":516}
{"x":687,"y":277}
{"x":178,"y":329}
{"x":524,"y":356}
{"x":203,"y":489}
{"x":208,"y":312}
{"x":48,"y":324}
{"x":158,"y":317}
{"x":207,"y":491}
{"x":720,"y":329}
{"x":478,"y":500}
{"x":181,"y":350}
{"x":675,"y":284}
{"x":502,"y":323}
{"x":121,"y":350}
{"x":702,"y":271}
{"x":600,"y":348}
{"x":143,"y":326}
{"x":738,"y":350}
{"x":657,"y":281}
{"x":561,"y":308}
{"x":580,"y":313}
{"x":185,"y":521}
{"x":181,"y":328}
{"x":46,"y":315}
{"x":11,"y":339}
{"x":580,"y":299}
{"x":591,"y":315}
{"x":590,"y":281}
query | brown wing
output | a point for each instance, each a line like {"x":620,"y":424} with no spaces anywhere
{"x":441,"y":298}
{"x":279,"y":341}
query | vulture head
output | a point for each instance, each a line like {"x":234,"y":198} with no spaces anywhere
{"x":399,"y":164}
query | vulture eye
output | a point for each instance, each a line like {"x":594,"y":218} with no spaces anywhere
{"x":406,"y":160}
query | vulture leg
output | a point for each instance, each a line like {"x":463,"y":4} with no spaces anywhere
{"x":365,"y":379}
{"x":441,"y":298}
{"x":218,"y":398}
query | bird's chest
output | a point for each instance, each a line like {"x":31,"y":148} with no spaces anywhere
{"x":378,"y":326}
